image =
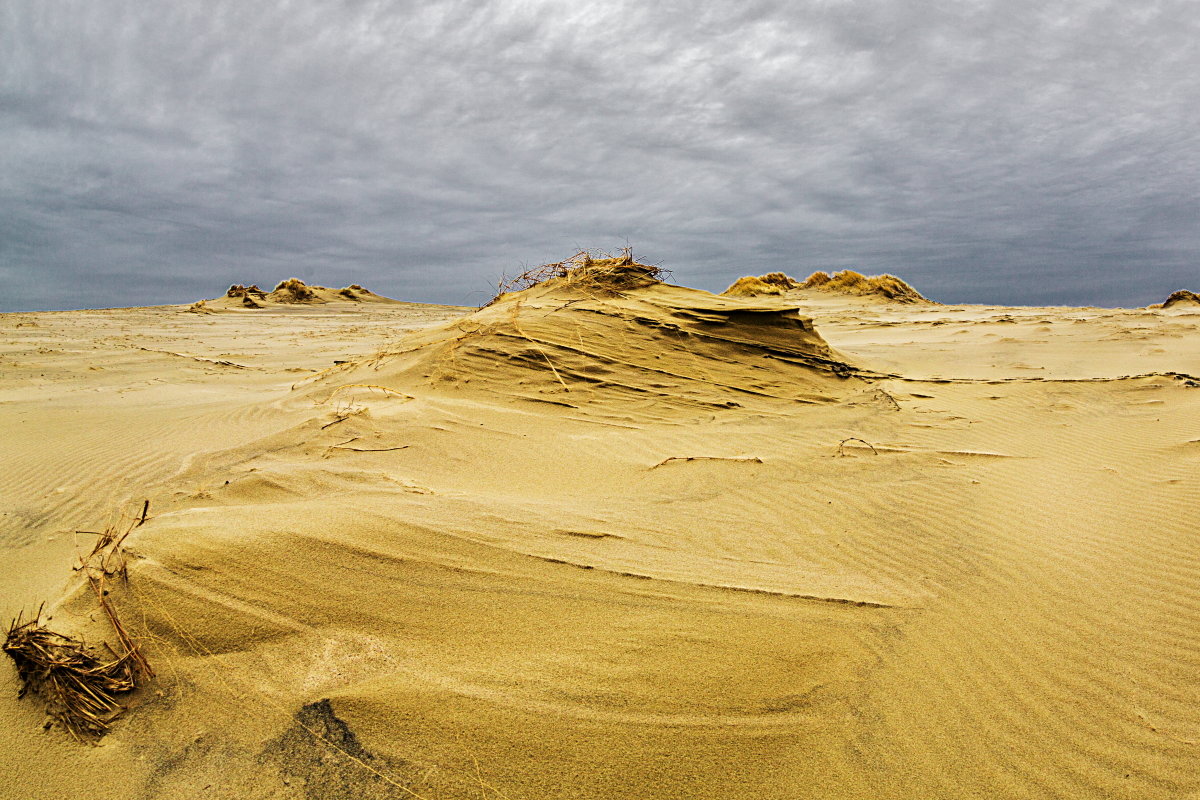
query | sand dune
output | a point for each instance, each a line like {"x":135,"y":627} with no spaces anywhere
{"x":615,"y":538}
{"x":290,"y":292}
{"x":847,"y":283}
{"x":1182,"y":299}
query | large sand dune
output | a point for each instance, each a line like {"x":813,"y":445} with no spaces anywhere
{"x":618,"y":541}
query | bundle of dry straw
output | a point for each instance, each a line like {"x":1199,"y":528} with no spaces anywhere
{"x":79,"y":686}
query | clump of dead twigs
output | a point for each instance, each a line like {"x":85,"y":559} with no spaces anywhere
{"x":587,"y":269}
{"x":78,"y":684}
{"x":80,"y":690}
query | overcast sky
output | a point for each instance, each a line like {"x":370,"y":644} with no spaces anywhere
{"x":1001,"y":152}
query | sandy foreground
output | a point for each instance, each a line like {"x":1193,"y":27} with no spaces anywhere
{"x":654,"y":544}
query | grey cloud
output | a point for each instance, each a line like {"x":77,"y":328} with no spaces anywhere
{"x":989,"y":151}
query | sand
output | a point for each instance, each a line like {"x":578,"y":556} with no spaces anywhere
{"x":647,"y":543}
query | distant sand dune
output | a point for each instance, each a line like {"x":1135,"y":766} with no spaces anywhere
{"x":887,"y":288}
{"x":290,"y":292}
{"x":1181,"y":299}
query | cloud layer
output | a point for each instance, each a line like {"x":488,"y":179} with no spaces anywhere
{"x":1005,"y":151}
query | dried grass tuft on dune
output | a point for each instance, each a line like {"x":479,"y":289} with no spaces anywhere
{"x":586,"y":270}
{"x":293,"y":290}
{"x":1180,"y":298}
{"x":855,"y":283}
{"x":238,"y":290}
{"x":773,"y":283}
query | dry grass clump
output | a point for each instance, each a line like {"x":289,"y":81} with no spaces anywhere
{"x":751,"y":286}
{"x":850,"y":282}
{"x":78,"y":686}
{"x":1181,"y":297}
{"x":353,"y":292}
{"x":781,"y":280}
{"x":587,"y":270}
{"x":250,"y":294}
{"x":237,"y":290}
{"x":293,"y":290}
{"x":772,"y":283}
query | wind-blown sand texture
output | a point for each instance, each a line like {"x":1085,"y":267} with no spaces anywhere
{"x":644,"y":542}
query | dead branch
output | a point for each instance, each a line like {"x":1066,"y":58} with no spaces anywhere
{"x":370,"y":449}
{"x":744,"y":459}
{"x":885,"y":395}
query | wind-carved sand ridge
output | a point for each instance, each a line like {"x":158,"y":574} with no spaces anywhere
{"x":610,"y":537}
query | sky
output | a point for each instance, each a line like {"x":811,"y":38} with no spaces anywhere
{"x":1001,"y":151}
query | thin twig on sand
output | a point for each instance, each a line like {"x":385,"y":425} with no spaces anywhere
{"x":842,"y":445}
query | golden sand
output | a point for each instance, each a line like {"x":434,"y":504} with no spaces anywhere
{"x":632,"y":541}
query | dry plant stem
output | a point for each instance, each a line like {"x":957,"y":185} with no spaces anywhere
{"x":744,"y":459}
{"x":371,"y":386}
{"x":132,"y":651}
{"x":549,"y":363}
{"x":370,"y":449}
{"x":107,"y":558}
{"x":889,"y":398}
{"x":842,"y":445}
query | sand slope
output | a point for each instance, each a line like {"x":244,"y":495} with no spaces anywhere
{"x":644,"y":543}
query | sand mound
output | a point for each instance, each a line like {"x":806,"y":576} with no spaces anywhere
{"x":1180,"y":298}
{"x":886,"y":287}
{"x":773,"y":283}
{"x":848,"y":281}
{"x":603,"y":333}
{"x":292,"y":291}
